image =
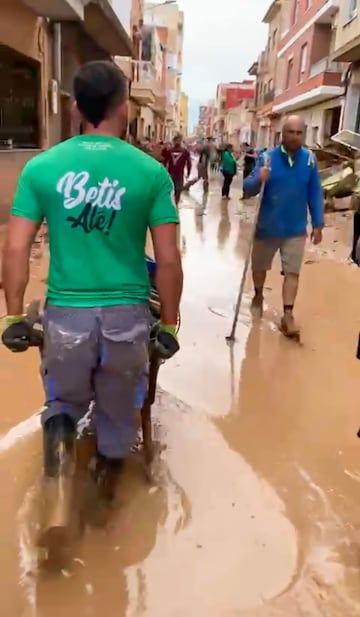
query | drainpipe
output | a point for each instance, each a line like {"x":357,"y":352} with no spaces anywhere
{"x":57,"y":52}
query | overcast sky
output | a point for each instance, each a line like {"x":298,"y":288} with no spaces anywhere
{"x":222,"y":39}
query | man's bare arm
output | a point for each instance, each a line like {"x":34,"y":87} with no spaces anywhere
{"x":169,"y":277}
{"x":15,"y":267}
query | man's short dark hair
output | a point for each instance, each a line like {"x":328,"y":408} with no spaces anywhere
{"x":99,"y":87}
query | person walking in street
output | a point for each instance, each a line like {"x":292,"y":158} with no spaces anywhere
{"x":249,"y":159}
{"x":203,"y":167}
{"x":292,"y":188}
{"x":98,"y":196}
{"x":177,"y":160}
{"x":229,"y":170}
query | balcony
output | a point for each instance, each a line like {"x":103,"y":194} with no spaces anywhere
{"x":145,"y":87}
{"x":160,"y":105}
{"x":125,"y":63}
{"x":269,"y":97}
{"x":326,"y":14}
{"x":314,"y":90}
{"x":325,"y":66}
{"x":98,"y":18}
{"x":58,"y":10}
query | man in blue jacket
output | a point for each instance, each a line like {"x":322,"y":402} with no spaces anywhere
{"x":292,"y":190}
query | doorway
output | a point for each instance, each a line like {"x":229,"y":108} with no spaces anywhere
{"x":65,"y":113}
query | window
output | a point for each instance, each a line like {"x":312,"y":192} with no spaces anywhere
{"x":295,"y":14}
{"x":19,"y":101}
{"x":289,"y":73}
{"x":315,"y":135}
{"x":353,"y":8}
{"x":303,"y":62}
{"x":274,"y":38}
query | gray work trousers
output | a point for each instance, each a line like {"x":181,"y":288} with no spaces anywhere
{"x":97,"y":355}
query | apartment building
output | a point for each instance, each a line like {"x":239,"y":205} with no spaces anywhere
{"x":267,"y":121}
{"x":184,"y":114}
{"x":228,"y":96}
{"x":309,"y":82}
{"x":168,"y":15}
{"x":239,"y":122}
{"x":346,"y":48}
{"x":42,"y":44}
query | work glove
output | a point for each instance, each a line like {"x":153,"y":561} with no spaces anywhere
{"x":18,"y":333}
{"x":166,"y":344}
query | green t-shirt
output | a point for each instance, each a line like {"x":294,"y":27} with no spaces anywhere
{"x":98,"y":195}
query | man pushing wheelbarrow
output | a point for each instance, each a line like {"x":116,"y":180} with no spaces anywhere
{"x":98,"y":196}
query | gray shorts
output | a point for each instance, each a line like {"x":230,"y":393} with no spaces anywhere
{"x":97,"y":355}
{"x":203,"y":173}
{"x":291,"y":254}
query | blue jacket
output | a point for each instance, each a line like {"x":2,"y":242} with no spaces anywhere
{"x":293,"y":188}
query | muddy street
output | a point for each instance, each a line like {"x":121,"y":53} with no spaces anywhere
{"x":257,"y":508}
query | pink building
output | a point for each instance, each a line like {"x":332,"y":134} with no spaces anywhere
{"x":307,"y":81}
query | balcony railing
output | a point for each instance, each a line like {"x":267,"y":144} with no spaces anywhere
{"x":269,"y":96}
{"x":146,"y":85}
{"x":325,"y":66}
{"x":144,"y":72}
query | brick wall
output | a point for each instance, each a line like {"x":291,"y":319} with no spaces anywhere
{"x":316,"y":50}
{"x":304,"y":15}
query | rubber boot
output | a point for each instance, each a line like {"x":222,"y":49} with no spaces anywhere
{"x":102,"y":489}
{"x":59,"y":439}
{"x":106,"y":474}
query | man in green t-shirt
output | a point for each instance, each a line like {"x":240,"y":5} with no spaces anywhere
{"x":98,"y":196}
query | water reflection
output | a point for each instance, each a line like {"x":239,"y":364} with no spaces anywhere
{"x":224,"y":226}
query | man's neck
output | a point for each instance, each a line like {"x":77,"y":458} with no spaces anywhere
{"x":289,"y":151}
{"x":105,"y":129}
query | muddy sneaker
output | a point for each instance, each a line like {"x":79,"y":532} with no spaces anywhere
{"x":257,"y":305}
{"x":288,"y":326}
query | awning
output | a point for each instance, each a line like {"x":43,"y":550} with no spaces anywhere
{"x":105,"y":28}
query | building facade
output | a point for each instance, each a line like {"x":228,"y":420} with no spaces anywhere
{"x":168,"y":17}
{"x":228,"y":96}
{"x":42,"y":44}
{"x":308,"y":81}
{"x":346,"y":48}
{"x":184,"y":115}
{"x":266,"y":123}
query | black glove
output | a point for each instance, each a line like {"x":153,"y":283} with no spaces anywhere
{"x":18,"y":336}
{"x":166,"y":344}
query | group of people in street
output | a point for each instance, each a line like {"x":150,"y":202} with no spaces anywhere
{"x":96,"y":322}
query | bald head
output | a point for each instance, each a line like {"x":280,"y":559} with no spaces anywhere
{"x":293,"y":133}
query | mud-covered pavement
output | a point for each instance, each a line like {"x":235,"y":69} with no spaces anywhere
{"x":258,"y":504}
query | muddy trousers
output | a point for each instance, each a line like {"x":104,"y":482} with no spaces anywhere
{"x":97,"y":356}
